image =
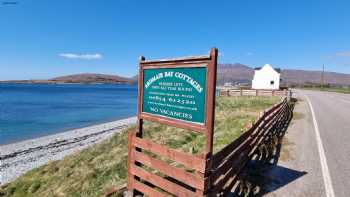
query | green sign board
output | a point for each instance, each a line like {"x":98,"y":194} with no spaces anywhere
{"x":177,"y":93}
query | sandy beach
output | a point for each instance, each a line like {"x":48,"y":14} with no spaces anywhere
{"x":20,"y":157}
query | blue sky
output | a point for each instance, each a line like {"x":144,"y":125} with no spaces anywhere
{"x":41,"y":39}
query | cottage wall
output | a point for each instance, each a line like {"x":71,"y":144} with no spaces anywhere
{"x":266,"y":78}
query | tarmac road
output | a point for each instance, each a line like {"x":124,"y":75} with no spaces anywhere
{"x":321,"y":151}
{"x":332,"y":113}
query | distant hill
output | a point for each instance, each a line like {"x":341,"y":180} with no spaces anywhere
{"x":304,"y":77}
{"x":234,"y":73}
{"x":239,"y":73}
{"x":92,"y":78}
{"x":88,"y":78}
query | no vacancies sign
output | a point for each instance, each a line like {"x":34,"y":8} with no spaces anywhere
{"x":177,"y":93}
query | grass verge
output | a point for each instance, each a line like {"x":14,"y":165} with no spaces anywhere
{"x":94,"y":170}
{"x":332,"y":89}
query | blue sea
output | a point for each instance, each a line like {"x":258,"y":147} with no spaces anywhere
{"x":32,"y":110}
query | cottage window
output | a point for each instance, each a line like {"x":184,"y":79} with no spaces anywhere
{"x":272,"y":82}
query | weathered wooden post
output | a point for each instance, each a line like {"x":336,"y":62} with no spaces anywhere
{"x":180,"y":93}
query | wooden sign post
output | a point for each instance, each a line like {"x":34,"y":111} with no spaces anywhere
{"x":180,"y":93}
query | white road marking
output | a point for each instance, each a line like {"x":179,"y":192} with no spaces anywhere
{"x":345,"y":100}
{"x":325,"y":171}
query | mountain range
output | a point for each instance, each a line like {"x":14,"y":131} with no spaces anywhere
{"x":239,"y":73}
{"x":226,"y":73}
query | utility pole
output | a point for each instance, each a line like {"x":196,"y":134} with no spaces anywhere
{"x":322,"y":77}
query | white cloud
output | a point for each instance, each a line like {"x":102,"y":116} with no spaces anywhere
{"x":249,"y":54}
{"x":81,"y":56}
{"x":343,"y":54}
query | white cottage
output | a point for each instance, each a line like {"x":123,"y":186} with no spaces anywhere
{"x":266,"y":78}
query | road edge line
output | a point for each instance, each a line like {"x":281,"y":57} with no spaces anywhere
{"x":324,"y":166}
{"x":345,"y":100}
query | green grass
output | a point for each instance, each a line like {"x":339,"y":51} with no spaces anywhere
{"x":91,"y":171}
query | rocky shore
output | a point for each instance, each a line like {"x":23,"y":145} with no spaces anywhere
{"x":18,"y":158}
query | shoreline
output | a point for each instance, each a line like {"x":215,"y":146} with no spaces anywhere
{"x":64,"y":130}
{"x":20,"y":157}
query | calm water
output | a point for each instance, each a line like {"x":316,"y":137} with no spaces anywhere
{"x":32,"y":110}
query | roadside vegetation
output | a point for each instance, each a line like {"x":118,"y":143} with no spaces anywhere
{"x":328,"y":88}
{"x":335,"y":89}
{"x":93,"y":171}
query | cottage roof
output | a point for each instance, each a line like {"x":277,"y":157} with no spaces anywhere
{"x":276,"y":69}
